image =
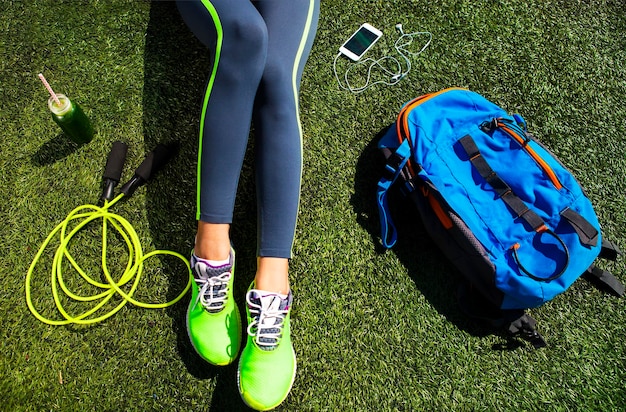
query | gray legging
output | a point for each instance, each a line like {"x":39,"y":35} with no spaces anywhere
{"x":258,"y":50}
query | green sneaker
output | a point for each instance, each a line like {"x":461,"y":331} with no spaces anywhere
{"x":267,"y":367}
{"x":213,"y":320}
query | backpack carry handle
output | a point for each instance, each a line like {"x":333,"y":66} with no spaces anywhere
{"x":535,"y":277}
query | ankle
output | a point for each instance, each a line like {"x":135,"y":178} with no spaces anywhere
{"x":273,"y":275}
{"x":212,"y":241}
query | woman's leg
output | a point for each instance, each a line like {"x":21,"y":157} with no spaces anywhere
{"x":236,"y":36}
{"x":291,"y":28}
{"x":267,"y":365}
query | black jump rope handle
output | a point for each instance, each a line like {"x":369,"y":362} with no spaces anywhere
{"x":154,"y":161}
{"x":113,"y":169}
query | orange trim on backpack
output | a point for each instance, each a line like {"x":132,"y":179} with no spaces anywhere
{"x":438,"y":209}
{"x":402,"y":124}
{"x":542,"y":163}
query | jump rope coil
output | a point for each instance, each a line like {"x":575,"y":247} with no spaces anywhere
{"x":83,"y":215}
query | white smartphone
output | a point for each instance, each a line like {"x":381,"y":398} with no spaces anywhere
{"x":360,"y":41}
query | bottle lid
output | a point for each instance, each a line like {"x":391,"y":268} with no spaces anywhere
{"x":61,"y":110}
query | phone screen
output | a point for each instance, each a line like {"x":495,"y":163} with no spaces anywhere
{"x":360,"y":41}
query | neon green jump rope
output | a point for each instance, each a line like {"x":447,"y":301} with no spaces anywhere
{"x":86,"y":214}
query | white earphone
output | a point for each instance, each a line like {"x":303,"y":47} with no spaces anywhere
{"x":400,"y":45}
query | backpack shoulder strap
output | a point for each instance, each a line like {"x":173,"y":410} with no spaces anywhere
{"x":609,"y":250}
{"x":515,"y":322}
{"x":604,"y":279}
{"x":396,"y":161}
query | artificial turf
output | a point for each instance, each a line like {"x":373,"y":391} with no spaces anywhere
{"x":372,"y":330}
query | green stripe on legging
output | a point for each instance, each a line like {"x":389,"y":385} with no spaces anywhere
{"x":218,"y":51}
{"x":294,"y":77}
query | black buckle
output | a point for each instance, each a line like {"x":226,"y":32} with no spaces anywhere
{"x":489,"y":126}
{"x":524,"y":327}
{"x":392,"y":166}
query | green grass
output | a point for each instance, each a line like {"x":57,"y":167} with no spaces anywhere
{"x":372,"y":330}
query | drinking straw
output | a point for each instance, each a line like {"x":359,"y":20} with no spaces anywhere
{"x":52,"y":93}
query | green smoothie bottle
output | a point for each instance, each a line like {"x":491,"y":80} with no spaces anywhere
{"x":69,"y":116}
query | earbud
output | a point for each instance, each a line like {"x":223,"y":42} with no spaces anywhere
{"x":385,"y":64}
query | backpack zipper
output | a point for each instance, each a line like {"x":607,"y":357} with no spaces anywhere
{"x":402,"y":125}
{"x":531,"y":152}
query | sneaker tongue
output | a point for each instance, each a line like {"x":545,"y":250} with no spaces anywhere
{"x":270,"y":303}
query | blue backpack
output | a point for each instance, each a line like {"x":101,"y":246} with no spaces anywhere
{"x":501,"y":207}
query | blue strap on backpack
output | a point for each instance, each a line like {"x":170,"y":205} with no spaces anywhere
{"x":511,"y":217}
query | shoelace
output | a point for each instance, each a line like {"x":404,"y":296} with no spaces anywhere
{"x":267,"y":325}
{"x":213,"y":291}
